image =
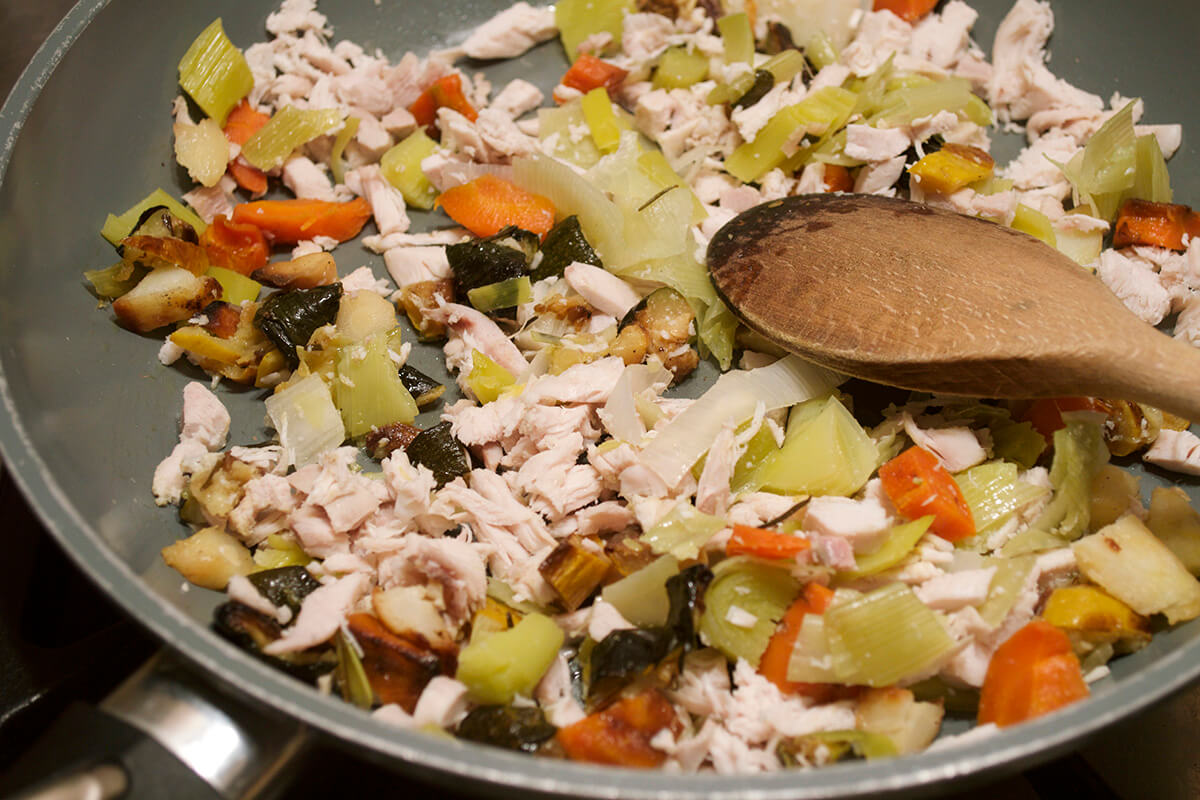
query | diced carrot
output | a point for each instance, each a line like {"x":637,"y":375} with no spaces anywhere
{"x":488,"y":204}
{"x":291,"y":221}
{"x":252,"y":179}
{"x":907,"y":10}
{"x":243,"y":122}
{"x":445,"y":92}
{"x":1155,"y":224}
{"x":763,"y":543}
{"x":773,"y":666}
{"x":1032,"y":673}
{"x":620,"y":734}
{"x":1045,"y":414}
{"x":589,"y":72}
{"x":240,"y":247}
{"x":918,"y":485}
{"x":838,"y":179}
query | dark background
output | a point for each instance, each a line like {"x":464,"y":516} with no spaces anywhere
{"x":54,"y":625}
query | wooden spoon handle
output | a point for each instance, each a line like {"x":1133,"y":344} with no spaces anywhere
{"x":1152,"y":368}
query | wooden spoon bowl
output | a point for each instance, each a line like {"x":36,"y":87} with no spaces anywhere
{"x":912,"y":296}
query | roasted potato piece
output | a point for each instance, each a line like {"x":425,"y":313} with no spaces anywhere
{"x":165,"y":296}
{"x":305,"y":272}
{"x":209,"y":558}
{"x":418,"y":299}
{"x":396,"y":669}
{"x":893,"y":712}
{"x":412,"y":612}
{"x":574,"y":571}
{"x":159,"y":252}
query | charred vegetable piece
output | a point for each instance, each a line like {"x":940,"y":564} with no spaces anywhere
{"x":564,"y":244}
{"x":501,"y":296}
{"x":112,"y":282}
{"x":289,"y":318}
{"x":159,"y":221}
{"x":952,"y":168}
{"x":1093,"y":617}
{"x":396,"y":668}
{"x":419,"y":299}
{"x":487,"y":261}
{"x":350,"y":676}
{"x":574,"y":571}
{"x":764,"y":82}
{"x":251,"y":631}
{"x":285,"y":586}
{"x":826,"y":747}
{"x":621,"y":734}
{"x":209,"y":558}
{"x":384,"y":441}
{"x":164,"y":251}
{"x":437,"y":449}
{"x":424,"y":389}
{"x":510,"y":727}
{"x":667,"y":318}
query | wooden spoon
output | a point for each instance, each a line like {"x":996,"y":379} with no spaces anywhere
{"x":900,"y":293}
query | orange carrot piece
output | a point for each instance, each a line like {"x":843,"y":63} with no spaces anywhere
{"x":291,"y":221}
{"x":1045,"y":414}
{"x":243,"y":122}
{"x":252,"y":179}
{"x":620,"y":734}
{"x":918,"y":485}
{"x":1033,"y":673}
{"x":237,"y":246}
{"x":907,"y":10}
{"x":838,"y":179}
{"x":445,"y":92}
{"x":773,"y":666}
{"x":1156,"y":224}
{"x":763,"y":543}
{"x":488,"y":204}
{"x":589,"y":72}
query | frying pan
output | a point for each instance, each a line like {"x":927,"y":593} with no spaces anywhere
{"x":88,"y":411}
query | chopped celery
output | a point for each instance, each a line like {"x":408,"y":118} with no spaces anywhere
{"x":810,"y":661}
{"x":576,"y":20}
{"x":1151,"y":181}
{"x":979,"y":112}
{"x":993,"y":492}
{"x":761,"y":445}
{"x":288,"y":129}
{"x":487,"y":380}
{"x":784,"y":65}
{"x":683,"y":531}
{"x":236,"y":288}
{"x":336,"y":167}
{"x":1079,"y":453}
{"x":557,"y":129}
{"x":991,"y":185}
{"x":737,"y":38}
{"x":680,"y":67}
{"x":901,"y":540}
{"x":1105,"y":169}
{"x":215,"y":73}
{"x":505,"y":294}
{"x":496,"y":667}
{"x":368,"y":389}
{"x":820,"y":50}
{"x":117,"y":228}
{"x":904,"y":105}
{"x":828,"y":454}
{"x":728,"y":92}
{"x":884,"y":636}
{"x":872,"y":89}
{"x":1035,"y":223}
{"x":601,"y":120}
{"x":760,"y":591}
{"x":112,"y":282}
{"x":641,"y":597}
{"x":752,"y":160}
{"x":1030,"y":540}
{"x":307,"y":421}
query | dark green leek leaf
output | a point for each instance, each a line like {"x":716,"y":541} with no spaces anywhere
{"x":285,"y":586}
{"x":564,"y":244}
{"x":437,"y":449}
{"x":511,"y":727}
{"x":289,"y":318}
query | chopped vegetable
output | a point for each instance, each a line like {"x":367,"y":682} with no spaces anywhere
{"x":522,"y":728}
{"x":117,"y":228}
{"x":239,"y":247}
{"x":487,"y":379}
{"x":396,"y":669}
{"x":437,"y":449}
{"x":165,"y":296}
{"x":1107,"y":166}
{"x":737,"y":37}
{"x":907,"y":10}
{"x":401,"y":166}
{"x":292,"y":221}
{"x":445,"y":92}
{"x":742,"y":606}
{"x":641,"y":596}
{"x":243,"y":122}
{"x":826,"y":454}
{"x":307,"y":421}
{"x":209,"y":558}
{"x":993,"y":493}
{"x":424,"y":389}
{"x":574,"y":571}
{"x":576,"y":20}
{"x":564,"y":245}
{"x":884,"y":636}
{"x":285,"y":586}
{"x":368,"y":390}
{"x":900,"y":541}
{"x":1095,"y":617}
{"x":503,"y":294}
{"x":1034,"y":223}
{"x":1141,"y":222}
{"x":1113,"y":492}
{"x":815,"y":599}
{"x":761,"y":543}
{"x":1033,"y":673}
{"x":496,"y":667}
{"x":236,"y":288}
{"x":202,"y":150}
{"x":337,"y":167}
{"x":620,"y":734}
{"x":680,"y":67}
{"x":350,"y":675}
{"x":682,"y":531}
{"x":252,"y":630}
{"x":601,"y":119}
{"x":917,"y":484}
{"x":1173,"y":520}
{"x":908,"y":725}
{"x":952,"y":168}
{"x":289,"y":128}
{"x":488,"y":204}
{"x":306,"y":272}
{"x":290,"y":318}
{"x":215,"y":73}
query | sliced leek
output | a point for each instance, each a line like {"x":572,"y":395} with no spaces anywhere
{"x":683,"y":531}
{"x":900,"y":541}
{"x":742,"y":606}
{"x":288,"y":129}
{"x":215,"y":73}
{"x":368,"y":390}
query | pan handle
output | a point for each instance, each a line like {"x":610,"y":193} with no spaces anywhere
{"x":165,"y":732}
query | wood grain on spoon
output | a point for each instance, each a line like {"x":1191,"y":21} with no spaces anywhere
{"x":904,"y":294}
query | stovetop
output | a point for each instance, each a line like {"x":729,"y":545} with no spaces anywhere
{"x":62,"y":641}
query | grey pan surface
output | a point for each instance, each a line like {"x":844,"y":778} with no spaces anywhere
{"x":88,"y":411}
